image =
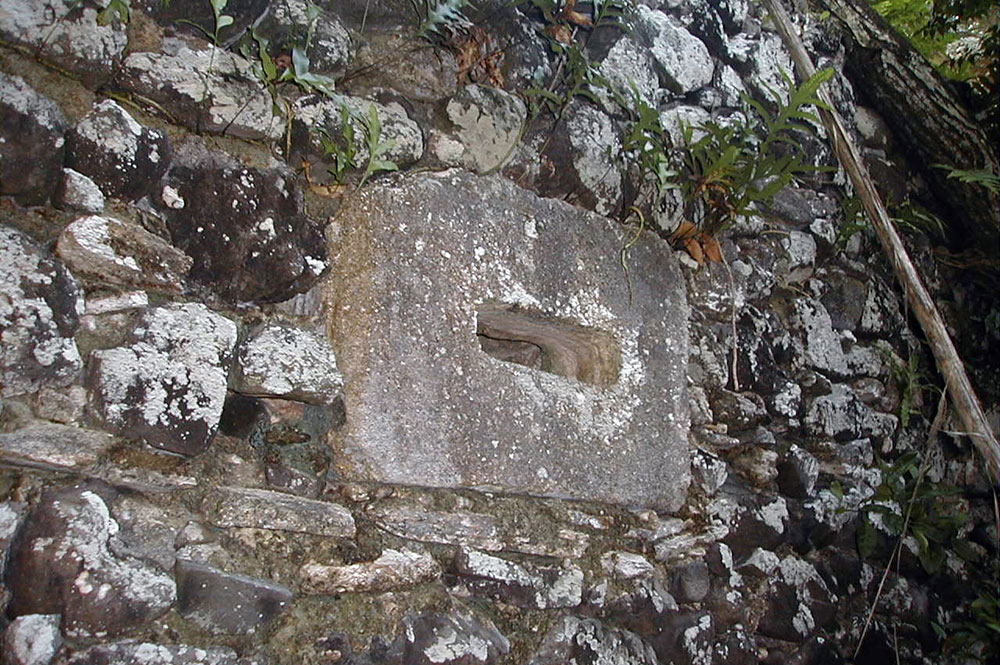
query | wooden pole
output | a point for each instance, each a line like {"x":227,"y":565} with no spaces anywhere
{"x":963,"y":396}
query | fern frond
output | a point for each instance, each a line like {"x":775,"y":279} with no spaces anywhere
{"x":443,"y":15}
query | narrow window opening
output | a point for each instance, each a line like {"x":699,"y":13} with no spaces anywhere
{"x":548,"y":344}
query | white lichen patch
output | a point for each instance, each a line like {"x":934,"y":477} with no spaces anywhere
{"x":21,"y":97}
{"x":287,"y":362}
{"x":597,"y":149}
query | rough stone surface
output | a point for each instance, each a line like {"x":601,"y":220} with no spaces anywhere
{"x":72,"y":40}
{"x":50,"y":445}
{"x":402,"y":316}
{"x":243,"y":226}
{"x":330,"y":48}
{"x":522,"y":585}
{"x":32,"y":639}
{"x":797,"y":473}
{"x":575,"y":640}
{"x":227,"y":602}
{"x":458,"y":638}
{"x":682,"y":60}
{"x":842,"y":415}
{"x":32,"y":141}
{"x":486,"y":127}
{"x":78,"y":192}
{"x":122,"y":253}
{"x":314,"y":113}
{"x":264,"y":509}
{"x":66,"y":561}
{"x":147,"y":653}
{"x":454,"y":528}
{"x":283,"y":361}
{"x":167,"y":385}
{"x":207,"y":89}
{"x":800,"y":602}
{"x":124,"y":158}
{"x":39,"y":314}
{"x":11,"y":515}
{"x":394,"y":569}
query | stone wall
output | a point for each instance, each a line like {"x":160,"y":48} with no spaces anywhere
{"x":460,"y":414}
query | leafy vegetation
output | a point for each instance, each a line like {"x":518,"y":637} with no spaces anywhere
{"x":345,"y":150}
{"x":440,"y":16}
{"x":221,"y":21}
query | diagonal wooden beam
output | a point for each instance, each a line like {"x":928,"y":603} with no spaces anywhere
{"x":963,"y":396}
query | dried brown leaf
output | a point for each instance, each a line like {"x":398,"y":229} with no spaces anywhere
{"x":560,"y":33}
{"x":713,"y":251}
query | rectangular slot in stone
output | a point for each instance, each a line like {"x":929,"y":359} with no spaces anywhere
{"x":548,"y":344}
{"x":436,"y":278}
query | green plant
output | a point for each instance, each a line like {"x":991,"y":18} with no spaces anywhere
{"x":733,"y":167}
{"x":984,"y":177}
{"x":344,"y":150}
{"x":115,"y":9}
{"x":440,"y":16}
{"x":978,"y":635}
{"x":220,"y":21}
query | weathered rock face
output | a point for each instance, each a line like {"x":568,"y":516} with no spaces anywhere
{"x":124,"y":158}
{"x":446,"y":281}
{"x":122,"y":253}
{"x":283,"y":361}
{"x":32,"y":145}
{"x":167,"y":386}
{"x":227,"y":602}
{"x":65,"y":562}
{"x":70,"y":38}
{"x":244,"y":227}
{"x":39,"y":315}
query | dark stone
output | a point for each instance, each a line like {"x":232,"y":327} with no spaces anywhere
{"x":245,"y":13}
{"x":797,"y":473}
{"x":42,"y":307}
{"x":760,"y":521}
{"x":819,"y":650}
{"x":167,"y":384}
{"x":799,"y":208}
{"x":31,"y":142}
{"x":735,"y":647}
{"x":740,"y":411}
{"x":529,"y":586}
{"x":452,"y":639}
{"x":243,"y":226}
{"x":690,"y":583}
{"x":242,"y":416}
{"x":686,"y":638}
{"x":67,"y":561}
{"x":641,"y":610}
{"x":124,"y":159}
{"x":575,"y":640}
{"x":798,"y":602}
{"x":845,"y":300}
{"x":227,"y":602}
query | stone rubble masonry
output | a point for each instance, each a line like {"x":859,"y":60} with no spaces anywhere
{"x":594,"y":401}
{"x":264,"y":509}
{"x":227,"y":602}
{"x":393,"y":570}
{"x":282,"y":361}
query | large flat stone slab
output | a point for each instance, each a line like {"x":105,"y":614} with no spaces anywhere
{"x":487,"y":339}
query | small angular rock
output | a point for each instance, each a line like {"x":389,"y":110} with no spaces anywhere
{"x":575,"y":640}
{"x":449,"y":528}
{"x":32,"y":639}
{"x":54,"y":446}
{"x":227,"y":602}
{"x":522,"y":585}
{"x":78,"y":192}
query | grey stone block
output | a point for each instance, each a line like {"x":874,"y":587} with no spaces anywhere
{"x":488,"y":339}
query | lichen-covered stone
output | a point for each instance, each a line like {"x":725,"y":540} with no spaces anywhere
{"x":32,"y":639}
{"x":450,"y":255}
{"x":146,"y":653}
{"x":486,"y":128}
{"x":842,"y":415}
{"x":206,"y":88}
{"x":392,"y":570}
{"x":243,"y":226}
{"x":329,"y":50}
{"x":32,"y":141}
{"x":71,"y":39}
{"x":457,"y":638}
{"x":682,"y":60}
{"x":797,"y":473}
{"x":799,"y":602}
{"x":122,"y":253}
{"x":575,"y":640}
{"x":167,"y":384}
{"x":283,"y":361}
{"x":524,"y":585}
{"x":451,"y":528}
{"x":227,"y":602}
{"x":264,"y":509}
{"x":125,"y":159}
{"x":39,"y":315}
{"x":78,"y":192}
{"x":66,"y":561}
